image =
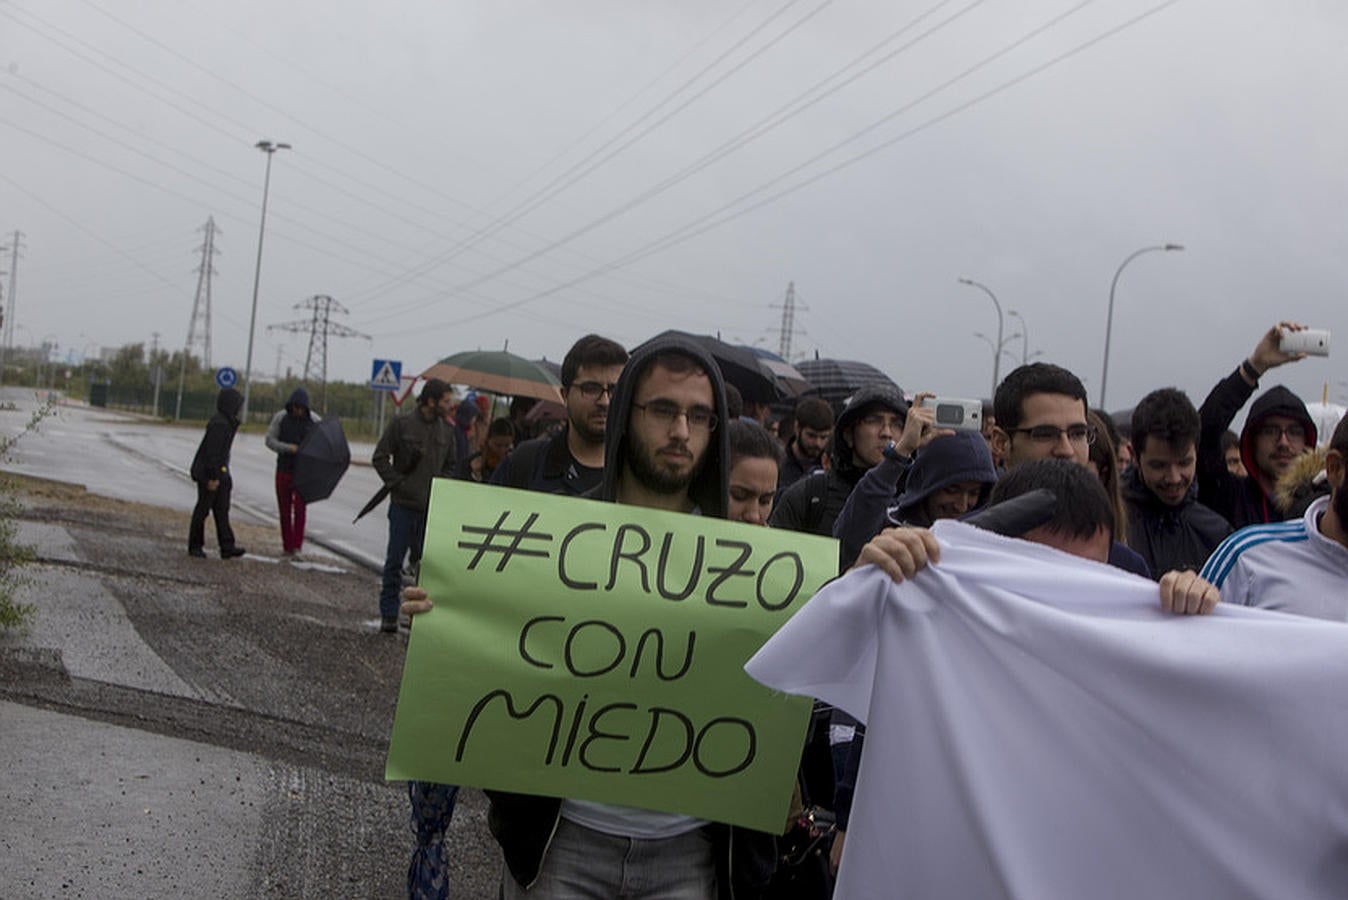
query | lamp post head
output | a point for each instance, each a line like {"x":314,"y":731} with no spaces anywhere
{"x":963,"y":280}
{"x":271,"y":146}
{"x":1169,"y":247}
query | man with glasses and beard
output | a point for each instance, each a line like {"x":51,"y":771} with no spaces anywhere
{"x":1298,"y":566}
{"x":1278,"y":430}
{"x":572,"y":461}
{"x":665,"y":447}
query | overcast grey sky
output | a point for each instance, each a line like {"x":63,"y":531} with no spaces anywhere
{"x":469,"y":173}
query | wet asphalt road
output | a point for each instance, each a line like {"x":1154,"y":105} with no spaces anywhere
{"x":177,"y":727}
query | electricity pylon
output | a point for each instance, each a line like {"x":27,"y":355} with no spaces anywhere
{"x":320,"y":327}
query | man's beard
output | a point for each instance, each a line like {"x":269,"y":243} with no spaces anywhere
{"x":582,"y":427}
{"x":652,"y":475}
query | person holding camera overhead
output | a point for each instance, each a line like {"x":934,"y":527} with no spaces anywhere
{"x":1277,"y":432}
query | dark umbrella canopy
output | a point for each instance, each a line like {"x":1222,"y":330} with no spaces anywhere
{"x":837,"y":379}
{"x":321,"y":461}
{"x":499,"y":372}
{"x":739,"y":366}
{"x":789,"y":379}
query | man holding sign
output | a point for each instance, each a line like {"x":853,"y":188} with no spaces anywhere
{"x":665,"y":450}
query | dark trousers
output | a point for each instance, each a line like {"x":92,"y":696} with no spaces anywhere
{"x":406,"y":530}
{"x":216,"y":504}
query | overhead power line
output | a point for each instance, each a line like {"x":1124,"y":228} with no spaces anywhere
{"x":728,"y":213}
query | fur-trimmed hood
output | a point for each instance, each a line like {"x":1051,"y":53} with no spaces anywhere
{"x":1302,"y":483}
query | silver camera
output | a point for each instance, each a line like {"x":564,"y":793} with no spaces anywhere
{"x":956,"y":413}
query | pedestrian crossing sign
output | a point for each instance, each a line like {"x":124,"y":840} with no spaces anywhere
{"x":386,"y":375}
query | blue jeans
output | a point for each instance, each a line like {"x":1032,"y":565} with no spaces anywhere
{"x":432,"y":807}
{"x":582,"y":864}
{"x":406,"y":531}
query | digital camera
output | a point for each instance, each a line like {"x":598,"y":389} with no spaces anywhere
{"x":956,"y":413}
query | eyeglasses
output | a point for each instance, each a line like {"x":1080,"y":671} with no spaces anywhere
{"x":592,"y":390}
{"x":667,"y":412}
{"x":1051,"y":434}
{"x":882,"y":420}
{"x":1295,"y":432}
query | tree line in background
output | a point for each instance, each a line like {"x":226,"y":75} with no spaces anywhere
{"x":125,"y":379}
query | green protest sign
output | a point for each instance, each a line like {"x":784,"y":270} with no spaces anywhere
{"x":595,"y":651}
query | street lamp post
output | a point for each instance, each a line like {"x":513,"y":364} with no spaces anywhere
{"x":997,"y":353}
{"x":1024,"y":336}
{"x":999,"y":350}
{"x":1109,"y":318}
{"x":269,"y":148}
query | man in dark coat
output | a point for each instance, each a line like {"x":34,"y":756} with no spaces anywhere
{"x":416,"y":447}
{"x":1166,"y":523}
{"x":210,"y":470}
{"x":1277,"y":431}
{"x":873,"y":419}
{"x":572,"y":461}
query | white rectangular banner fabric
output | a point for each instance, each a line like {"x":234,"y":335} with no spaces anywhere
{"x":1037,"y":728}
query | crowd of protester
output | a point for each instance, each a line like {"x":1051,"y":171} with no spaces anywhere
{"x":1171,"y":494}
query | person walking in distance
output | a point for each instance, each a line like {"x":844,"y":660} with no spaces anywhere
{"x":287,"y":430}
{"x":210,"y":471}
{"x":416,"y":447}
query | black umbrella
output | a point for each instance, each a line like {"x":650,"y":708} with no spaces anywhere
{"x":837,"y":379}
{"x":387,"y":488}
{"x":321,"y":461}
{"x":738,"y":365}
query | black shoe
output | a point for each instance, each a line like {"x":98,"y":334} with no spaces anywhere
{"x":197,"y":552}
{"x":231,"y":552}
{"x":389,"y":626}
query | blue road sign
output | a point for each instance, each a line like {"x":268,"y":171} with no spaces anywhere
{"x":226,"y":377}
{"x":386,"y":375}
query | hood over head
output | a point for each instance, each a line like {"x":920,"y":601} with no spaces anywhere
{"x":878,"y":394}
{"x":229,"y":404}
{"x":466,"y":413}
{"x":947,"y":460}
{"x":299,"y":399}
{"x":1276,"y":401}
{"x":710,"y":488}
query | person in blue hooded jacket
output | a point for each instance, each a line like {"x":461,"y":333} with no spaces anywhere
{"x":287,"y":430}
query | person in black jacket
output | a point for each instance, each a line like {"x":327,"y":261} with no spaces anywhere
{"x":210,"y":470}
{"x":1277,"y":431}
{"x":666,"y":447}
{"x":572,"y":461}
{"x":1166,"y":523}
{"x":873,"y":419}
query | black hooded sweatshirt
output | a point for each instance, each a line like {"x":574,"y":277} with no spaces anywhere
{"x":212,"y":460}
{"x":813,"y":503}
{"x":524,"y":824}
{"x":1241,"y":501}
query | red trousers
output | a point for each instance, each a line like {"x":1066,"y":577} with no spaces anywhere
{"x":292,"y":513}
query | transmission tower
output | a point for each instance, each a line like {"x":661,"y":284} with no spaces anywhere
{"x":201,"y":310}
{"x":8,"y":314}
{"x":320,"y":327}
{"x":788,"y":329}
{"x":199,"y":328}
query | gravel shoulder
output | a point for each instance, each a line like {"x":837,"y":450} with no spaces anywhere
{"x":268,"y":668}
